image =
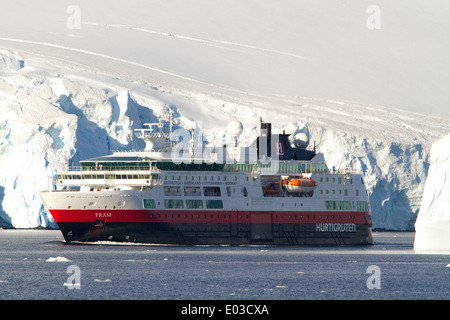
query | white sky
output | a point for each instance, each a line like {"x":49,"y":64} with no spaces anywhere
{"x":319,"y":49}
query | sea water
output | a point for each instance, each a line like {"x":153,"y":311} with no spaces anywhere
{"x":37,"y":264}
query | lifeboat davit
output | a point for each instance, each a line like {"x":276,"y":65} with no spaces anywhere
{"x":300,"y":185}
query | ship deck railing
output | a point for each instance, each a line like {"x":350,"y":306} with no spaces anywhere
{"x":111,"y":168}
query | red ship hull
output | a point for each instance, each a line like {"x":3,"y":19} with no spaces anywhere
{"x":216,"y":227}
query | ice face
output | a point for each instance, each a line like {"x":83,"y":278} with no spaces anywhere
{"x":433,"y":222}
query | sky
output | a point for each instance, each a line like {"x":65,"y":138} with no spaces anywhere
{"x":388,"y":53}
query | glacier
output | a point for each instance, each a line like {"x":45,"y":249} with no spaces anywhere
{"x":372,"y":100}
{"x":55,"y":114}
{"x":433,"y":222}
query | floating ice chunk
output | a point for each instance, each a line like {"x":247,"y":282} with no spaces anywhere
{"x":57,"y":259}
{"x":72,"y":285}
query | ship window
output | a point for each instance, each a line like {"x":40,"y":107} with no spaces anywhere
{"x":149,"y":203}
{"x":339,"y":180}
{"x":173,"y":204}
{"x":192,"y":191}
{"x":357,"y":192}
{"x":211,"y":191}
{"x":214,"y":204}
{"x":194,"y":204}
{"x":172,"y":191}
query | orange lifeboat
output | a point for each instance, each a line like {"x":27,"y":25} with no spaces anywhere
{"x":300,"y":185}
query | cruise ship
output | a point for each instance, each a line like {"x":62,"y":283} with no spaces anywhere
{"x":275,"y":191}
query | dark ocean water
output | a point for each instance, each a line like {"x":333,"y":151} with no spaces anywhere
{"x":36,"y":264}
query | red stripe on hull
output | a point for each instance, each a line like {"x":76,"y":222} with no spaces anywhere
{"x":211,"y":216}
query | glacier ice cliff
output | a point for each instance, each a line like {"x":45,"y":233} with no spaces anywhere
{"x":55,"y":114}
{"x":433,"y":221}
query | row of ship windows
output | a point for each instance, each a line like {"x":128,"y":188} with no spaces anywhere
{"x":179,"y":204}
{"x":144,"y":176}
{"x":339,"y":180}
{"x":339,"y":191}
{"x":200,"y":178}
{"x":347,"y":205}
{"x":207,"y":191}
{"x":218,"y":204}
{"x":106,"y":176}
{"x":241,"y":216}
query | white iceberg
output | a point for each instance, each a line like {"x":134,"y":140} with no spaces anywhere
{"x":433,"y":222}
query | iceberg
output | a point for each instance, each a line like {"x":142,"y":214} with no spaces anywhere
{"x":433,"y":222}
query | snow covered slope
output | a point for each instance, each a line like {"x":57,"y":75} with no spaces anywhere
{"x":56,"y":113}
{"x":433,"y":221}
{"x":76,"y":79}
